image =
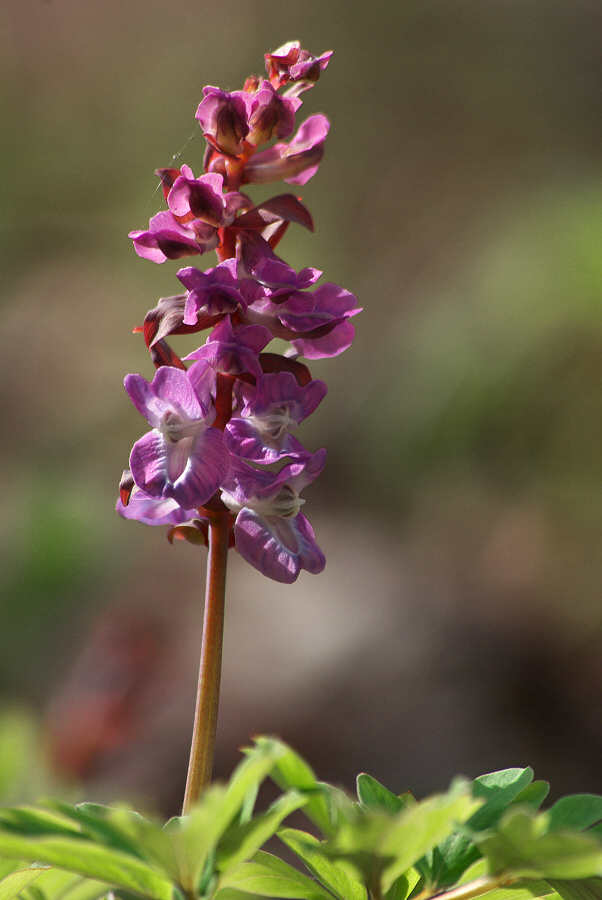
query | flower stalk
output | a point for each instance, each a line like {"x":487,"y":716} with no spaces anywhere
{"x":200,"y":765}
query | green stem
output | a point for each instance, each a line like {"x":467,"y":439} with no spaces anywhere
{"x":205,"y":719}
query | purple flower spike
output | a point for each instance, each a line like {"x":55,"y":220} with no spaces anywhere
{"x":211,"y":292}
{"x":234,"y":352}
{"x":182,"y":458}
{"x":269,"y":411}
{"x":269,"y":531}
{"x":295,"y":162}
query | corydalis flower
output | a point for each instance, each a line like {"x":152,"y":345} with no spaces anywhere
{"x":229,"y":120}
{"x":295,"y":162}
{"x":212,"y":292}
{"x":234,"y":351}
{"x":182,"y":458}
{"x":203,"y":198}
{"x":197,"y":210}
{"x":269,"y":411}
{"x":269,"y":531}
{"x":316,"y":323}
{"x":291,"y":63}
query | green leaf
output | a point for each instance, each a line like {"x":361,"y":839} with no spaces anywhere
{"x":380,"y":848}
{"x":532,"y":796}
{"x":374,"y":797}
{"x":497,"y":790}
{"x":403,"y":886}
{"x":88,"y":859}
{"x":293,"y":773}
{"x":269,"y":876}
{"x":575,"y":813}
{"x":30,"y":821}
{"x":423,"y":826}
{"x":16,"y":882}
{"x":521,"y":847}
{"x":131,"y":831}
{"x":65,"y":885}
{"x":195,"y":836}
{"x":259,"y":763}
{"x":241,"y":842}
{"x":584,"y":889}
{"x":523,"y":891}
{"x":310,"y":851}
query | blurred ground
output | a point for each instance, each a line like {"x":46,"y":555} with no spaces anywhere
{"x":458,"y":625}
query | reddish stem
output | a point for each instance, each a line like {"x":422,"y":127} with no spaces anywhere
{"x":205,"y":721}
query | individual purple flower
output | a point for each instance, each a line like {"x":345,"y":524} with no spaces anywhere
{"x":230,"y":119}
{"x":204,"y":199}
{"x":268,"y":412}
{"x":224,"y":118}
{"x":258,"y":260}
{"x":269,"y":531}
{"x":271,"y":115}
{"x":314,"y":322}
{"x":291,"y":63}
{"x":295,"y":162}
{"x":150,"y":511}
{"x":182,"y":458}
{"x":212,"y":292}
{"x":166,"y":238}
{"x":234,"y":351}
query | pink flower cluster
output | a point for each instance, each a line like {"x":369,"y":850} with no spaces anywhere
{"x":220,"y":422}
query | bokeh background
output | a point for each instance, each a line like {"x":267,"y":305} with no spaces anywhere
{"x":458,"y":625}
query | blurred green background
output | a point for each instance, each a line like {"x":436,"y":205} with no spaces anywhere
{"x":458,"y":625}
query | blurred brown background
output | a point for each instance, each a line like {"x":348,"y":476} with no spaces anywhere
{"x":458,"y":625}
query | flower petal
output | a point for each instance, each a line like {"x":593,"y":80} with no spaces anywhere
{"x":277,"y":547}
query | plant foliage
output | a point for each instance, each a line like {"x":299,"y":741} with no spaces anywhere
{"x":480,"y":838}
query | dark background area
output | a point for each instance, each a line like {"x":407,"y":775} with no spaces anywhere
{"x":458,"y":625}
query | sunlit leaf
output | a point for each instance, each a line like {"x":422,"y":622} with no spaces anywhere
{"x":241,"y":842}
{"x":527,"y":890}
{"x":310,"y":851}
{"x":584,"y":889}
{"x":577,"y":812}
{"x":293,"y":773}
{"x":374,"y":797}
{"x":444,"y":866}
{"x":533,"y":795}
{"x":271,"y":877}
{"x":14,"y":883}
{"x":522,"y":847}
{"x":88,"y":859}
{"x":423,"y":826}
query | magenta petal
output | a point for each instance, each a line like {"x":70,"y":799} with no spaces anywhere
{"x":245,"y":440}
{"x":339,"y":339}
{"x":279,"y":548}
{"x":164,"y":239}
{"x":151,"y":511}
{"x":189,"y":471}
{"x":206,"y":468}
